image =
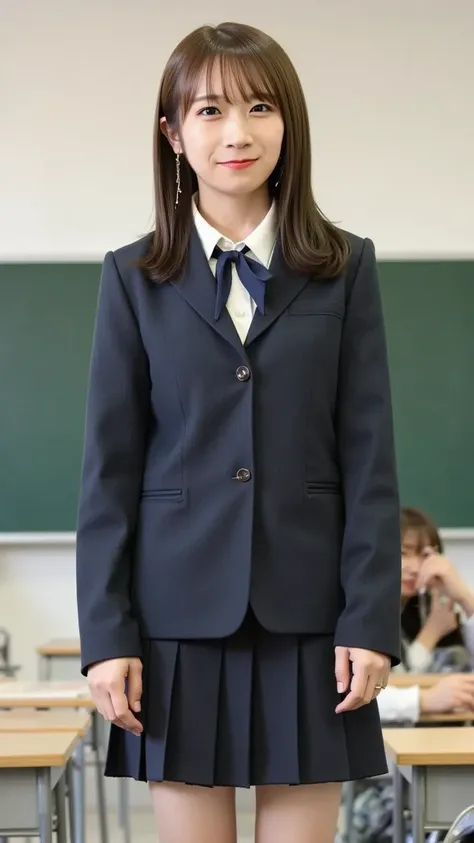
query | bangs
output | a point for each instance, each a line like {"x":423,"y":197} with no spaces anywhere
{"x":242,"y":77}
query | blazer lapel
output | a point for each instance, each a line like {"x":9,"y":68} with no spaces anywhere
{"x":284,"y":285}
{"x":198,"y":286}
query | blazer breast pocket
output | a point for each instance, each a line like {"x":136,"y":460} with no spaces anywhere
{"x":312,"y":307}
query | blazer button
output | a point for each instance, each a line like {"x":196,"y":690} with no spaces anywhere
{"x":243,"y":475}
{"x":243,"y":373}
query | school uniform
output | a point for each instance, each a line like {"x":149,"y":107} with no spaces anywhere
{"x":239,"y":514}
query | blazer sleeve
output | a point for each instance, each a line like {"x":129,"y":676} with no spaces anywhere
{"x":371,"y":548}
{"x":117,"y":419}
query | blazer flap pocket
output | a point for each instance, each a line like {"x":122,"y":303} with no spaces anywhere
{"x":323,"y":487}
{"x":162,"y":494}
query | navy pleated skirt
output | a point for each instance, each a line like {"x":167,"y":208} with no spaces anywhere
{"x":254,"y":708}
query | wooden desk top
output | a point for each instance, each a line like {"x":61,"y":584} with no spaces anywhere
{"x":430,"y":746}
{"x":451,"y":717}
{"x":60,"y":647}
{"x":48,"y":694}
{"x":424,"y":680}
{"x":52,"y":720}
{"x":41,"y":749}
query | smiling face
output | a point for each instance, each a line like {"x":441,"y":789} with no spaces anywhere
{"x":232,"y":138}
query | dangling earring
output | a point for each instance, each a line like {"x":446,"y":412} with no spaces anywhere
{"x":178,"y":179}
{"x":280,"y":176}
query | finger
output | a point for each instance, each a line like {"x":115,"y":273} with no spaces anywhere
{"x":355,"y":697}
{"x":123,"y":713}
{"x":465,"y":700}
{"x":104,"y":706}
{"x":372,"y":689}
{"x":135,"y":687}
{"x":349,"y":703}
{"x":342,"y":669}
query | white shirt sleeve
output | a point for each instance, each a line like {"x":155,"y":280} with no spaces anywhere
{"x":468,"y":635}
{"x":400,"y":705}
{"x":418,"y":658}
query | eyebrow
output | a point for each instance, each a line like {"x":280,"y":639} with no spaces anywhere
{"x":217,"y":97}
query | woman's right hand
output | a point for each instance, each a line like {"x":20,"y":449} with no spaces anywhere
{"x":455,"y":692}
{"x":442,"y":618}
{"x":107,"y":684}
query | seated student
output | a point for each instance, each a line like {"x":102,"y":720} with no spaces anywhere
{"x":431,"y":586}
{"x":405,"y":705}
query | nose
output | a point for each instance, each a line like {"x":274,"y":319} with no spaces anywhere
{"x":237,"y":132}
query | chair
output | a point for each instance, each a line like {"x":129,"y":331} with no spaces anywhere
{"x":462,"y":828}
{"x":6,"y":668}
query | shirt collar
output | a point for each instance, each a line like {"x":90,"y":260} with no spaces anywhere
{"x":260,"y":241}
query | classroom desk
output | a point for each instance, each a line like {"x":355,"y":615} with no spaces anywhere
{"x":32,"y":767}
{"x":16,"y":694}
{"x":424,"y":680}
{"x":53,"y":721}
{"x":465,"y":717}
{"x":70,"y":648}
{"x":56,"y":648}
{"x":438,"y":764}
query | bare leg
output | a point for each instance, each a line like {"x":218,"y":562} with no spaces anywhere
{"x":191,"y":814}
{"x":301,"y":814}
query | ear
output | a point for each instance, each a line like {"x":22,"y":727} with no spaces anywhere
{"x":173,"y":137}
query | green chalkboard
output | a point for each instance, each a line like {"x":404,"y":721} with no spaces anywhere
{"x":429,"y":314}
{"x":46,"y":324}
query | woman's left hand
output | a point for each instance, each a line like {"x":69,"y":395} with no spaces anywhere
{"x":370,"y":672}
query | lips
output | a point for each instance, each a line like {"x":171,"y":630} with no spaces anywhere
{"x":238,"y":164}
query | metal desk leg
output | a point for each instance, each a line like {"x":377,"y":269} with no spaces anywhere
{"x":60,"y":799}
{"x":99,"y":769}
{"x":398,"y":813}
{"x":418,"y":795}
{"x":77,"y":800}
{"x":124,"y":810}
{"x":73,"y":808}
{"x":45,"y":805}
{"x":44,"y":668}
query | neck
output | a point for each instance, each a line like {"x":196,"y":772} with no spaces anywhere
{"x":234,"y":216}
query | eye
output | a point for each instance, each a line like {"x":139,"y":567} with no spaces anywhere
{"x":262,"y":108}
{"x":206,"y":111}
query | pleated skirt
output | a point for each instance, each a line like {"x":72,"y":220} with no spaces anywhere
{"x":252,"y":709}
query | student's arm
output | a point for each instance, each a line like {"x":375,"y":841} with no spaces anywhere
{"x":370,"y":560}
{"x":468,"y":635}
{"x":115,"y":440}
{"x":419,"y":656}
{"x":401,"y":705}
{"x":438,"y":570}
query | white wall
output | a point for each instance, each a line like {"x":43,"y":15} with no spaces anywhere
{"x":389,"y":88}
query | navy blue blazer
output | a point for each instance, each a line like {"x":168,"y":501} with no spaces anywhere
{"x":218,"y":474}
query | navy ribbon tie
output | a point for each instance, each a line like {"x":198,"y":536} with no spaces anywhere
{"x":253,"y":275}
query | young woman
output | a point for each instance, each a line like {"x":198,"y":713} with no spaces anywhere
{"x":238,"y":544}
{"x":431,"y":591}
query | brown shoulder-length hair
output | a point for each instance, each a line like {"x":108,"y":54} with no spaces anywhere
{"x":424,"y":528}
{"x":254,"y":64}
